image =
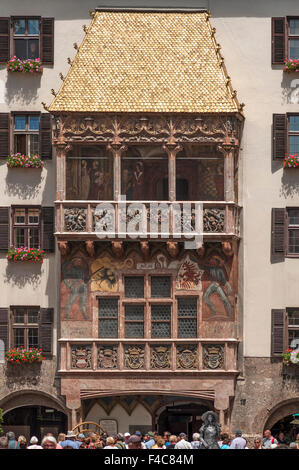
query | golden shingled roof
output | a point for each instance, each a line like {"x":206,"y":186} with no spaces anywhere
{"x":147,"y":62}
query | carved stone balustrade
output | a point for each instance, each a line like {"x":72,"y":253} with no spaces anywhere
{"x":144,"y":355}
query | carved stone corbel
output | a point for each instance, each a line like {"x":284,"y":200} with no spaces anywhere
{"x":90,"y":248}
{"x":172,"y":248}
{"x":145,"y":249}
{"x":227,"y":248}
{"x":118,"y":249}
{"x":64,"y":248}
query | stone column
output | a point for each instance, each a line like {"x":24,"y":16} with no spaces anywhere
{"x":228,"y":149}
{"x":172,"y":148}
{"x":117,"y":149}
{"x":61,"y":151}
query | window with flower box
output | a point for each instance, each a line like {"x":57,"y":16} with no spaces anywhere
{"x":285,"y":135}
{"x":285,"y":39}
{"x":284,"y":330}
{"x":26,"y":229}
{"x":27,"y":37}
{"x":26,"y":133}
{"x":25,"y":327}
{"x":148,"y":307}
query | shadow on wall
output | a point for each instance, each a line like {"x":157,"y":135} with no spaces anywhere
{"x":23,"y":183}
{"x":22,"y":88}
{"x":290,"y":182}
{"x":24,"y":273}
{"x":290,"y":88}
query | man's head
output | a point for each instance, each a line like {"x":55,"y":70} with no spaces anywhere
{"x":267,"y":434}
{"x":10,"y":436}
{"x":173,"y":439}
{"x":166,"y":435}
{"x":127,"y":436}
{"x":183,"y":436}
{"x":70,"y":436}
{"x":49,"y":442}
{"x":134,"y":442}
{"x":34,"y":440}
{"x":238,"y":433}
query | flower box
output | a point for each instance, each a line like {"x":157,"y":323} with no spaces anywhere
{"x":18,"y":160}
{"x":291,"y":65}
{"x":24,"y":356}
{"x":291,"y":161}
{"x":24,"y":66}
{"x":25,"y":254}
{"x":291,"y":357}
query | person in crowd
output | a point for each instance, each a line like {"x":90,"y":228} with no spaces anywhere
{"x":196,"y":443}
{"x":292,"y":445}
{"x":49,"y":442}
{"x":34,"y":443}
{"x":225,"y":443}
{"x":281,"y":438}
{"x":138,"y":433}
{"x":183,"y":443}
{"x":61,"y":438}
{"x":149,"y":440}
{"x":126,"y":438}
{"x":134,"y":442}
{"x":166,"y":437}
{"x":173,"y":440}
{"x":110,"y":443}
{"x":12,"y":442}
{"x":238,"y":442}
{"x":23,"y":442}
{"x":70,"y":441}
{"x":268,"y":440}
{"x":297,"y":441}
{"x":257,"y":443}
{"x":159,"y":442}
{"x":223,"y":436}
{"x":3,"y":441}
{"x":119,"y":441}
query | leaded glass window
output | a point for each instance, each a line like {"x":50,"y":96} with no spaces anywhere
{"x":134,"y":287}
{"x":108,"y":318}
{"x":161,"y":321}
{"x":134,"y":321}
{"x":187,"y":317}
{"x":160,"y":286}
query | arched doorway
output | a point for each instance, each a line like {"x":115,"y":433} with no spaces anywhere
{"x":181,"y":417}
{"x":34,"y":421}
{"x":284,"y":417}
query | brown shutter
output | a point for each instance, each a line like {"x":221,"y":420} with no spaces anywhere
{"x":4,"y":134}
{"x":45,"y":131}
{"x":46,"y":328}
{"x":278,"y":230}
{"x":280,"y":126}
{"x":4,"y":228}
{"x":278,"y":40}
{"x":47,"y":41}
{"x":4,"y":326}
{"x":48,"y":239}
{"x":4,"y":40}
{"x":277,"y":332}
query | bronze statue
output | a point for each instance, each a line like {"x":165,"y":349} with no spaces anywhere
{"x":210,"y":430}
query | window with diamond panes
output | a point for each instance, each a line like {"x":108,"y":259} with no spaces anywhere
{"x":134,"y":321}
{"x":161,"y":321}
{"x":160,"y":287}
{"x":108,"y":318}
{"x":187,"y":317}
{"x":134,"y":287}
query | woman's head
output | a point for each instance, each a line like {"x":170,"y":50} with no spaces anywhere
{"x":49,"y":442}
{"x":110,"y":441}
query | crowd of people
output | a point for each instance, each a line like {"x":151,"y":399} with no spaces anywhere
{"x":150,"y":440}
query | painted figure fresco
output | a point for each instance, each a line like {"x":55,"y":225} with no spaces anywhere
{"x":75,"y":276}
{"x":104,"y":276}
{"x":189,"y":275}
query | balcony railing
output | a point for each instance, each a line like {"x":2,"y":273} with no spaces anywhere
{"x":144,"y":355}
{"x":150,"y":219}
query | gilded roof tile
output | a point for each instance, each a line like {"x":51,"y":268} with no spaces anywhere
{"x":146,"y":62}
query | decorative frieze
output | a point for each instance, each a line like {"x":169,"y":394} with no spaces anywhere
{"x":213,"y":356}
{"x":134,"y":357}
{"x":107,"y":357}
{"x":81,"y":356}
{"x":75,"y":219}
{"x":160,"y":357}
{"x":213,"y":220}
{"x":187,"y":356}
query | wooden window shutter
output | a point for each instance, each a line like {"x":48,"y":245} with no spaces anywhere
{"x":278,"y":40}
{"x":46,"y":328}
{"x":48,"y":239}
{"x":4,"y":228}
{"x":4,"y":134}
{"x":4,"y":317}
{"x":45,"y":131}
{"x":277,"y":332}
{"x":47,"y":41}
{"x":4,"y":40}
{"x":278,"y":230}
{"x":280,"y":136}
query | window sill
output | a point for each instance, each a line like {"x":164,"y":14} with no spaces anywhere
{"x":25,"y":72}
